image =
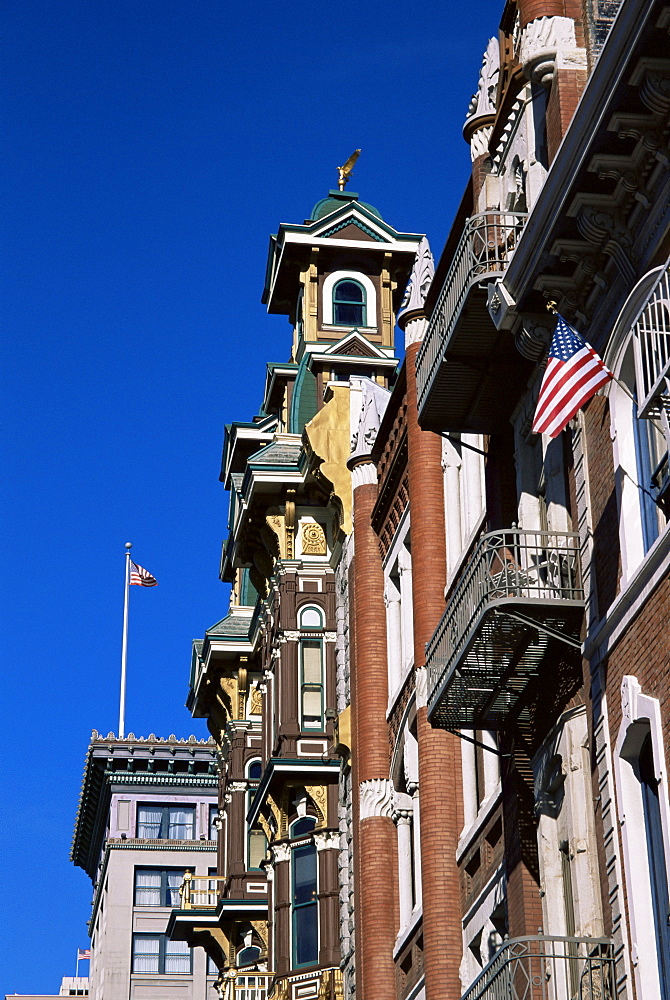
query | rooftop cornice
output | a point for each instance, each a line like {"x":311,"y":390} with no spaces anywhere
{"x":608,"y":87}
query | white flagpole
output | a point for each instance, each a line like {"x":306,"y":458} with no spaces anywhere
{"x":124,"y":646}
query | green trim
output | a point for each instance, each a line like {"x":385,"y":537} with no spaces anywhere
{"x":352,"y":222}
{"x":303,"y":400}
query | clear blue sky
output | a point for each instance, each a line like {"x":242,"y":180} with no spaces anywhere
{"x":150,"y":147}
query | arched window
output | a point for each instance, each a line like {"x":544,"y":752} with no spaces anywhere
{"x":248,"y":956}
{"x":349,"y":303}
{"x":254,"y":770}
{"x":303,"y":825}
{"x":311,"y":617}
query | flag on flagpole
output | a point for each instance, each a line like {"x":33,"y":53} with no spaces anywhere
{"x":83,"y":954}
{"x":141,"y":577}
{"x":573,"y":374}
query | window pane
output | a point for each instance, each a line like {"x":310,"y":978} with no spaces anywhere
{"x":174,"y":880}
{"x":311,"y":707}
{"x":177,"y":956}
{"x":304,"y":874}
{"x":311,"y":662}
{"x":149,"y":822}
{"x":348,"y":291}
{"x":347,"y":314}
{"x":181,"y":824}
{"x":147,"y":888}
{"x":310,"y":617}
{"x":257,"y":848}
{"x":146,"y":954}
{"x":255,"y":770}
{"x":305,"y":935}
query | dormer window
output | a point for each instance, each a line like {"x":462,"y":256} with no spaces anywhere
{"x":349,"y":302}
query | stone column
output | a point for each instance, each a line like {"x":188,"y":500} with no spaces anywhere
{"x":439,"y":752}
{"x":376,"y":841}
{"x":394,"y":635}
{"x":403,"y":821}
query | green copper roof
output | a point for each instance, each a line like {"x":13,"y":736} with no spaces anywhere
{"x":232,"y":626}
{"x":335,"y":200}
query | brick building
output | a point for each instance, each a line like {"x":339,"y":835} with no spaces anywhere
{"x":440,"y":695}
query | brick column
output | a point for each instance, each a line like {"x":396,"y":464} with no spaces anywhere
{"x":440,"y":782}
{"x":376,"y":840}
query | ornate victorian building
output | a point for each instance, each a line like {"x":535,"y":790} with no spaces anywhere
{"x":440,"y":697}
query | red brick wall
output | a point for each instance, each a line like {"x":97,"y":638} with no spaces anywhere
{"x":440,"y":782}
{"x":565,"y":93}
{"x":375,"y":842}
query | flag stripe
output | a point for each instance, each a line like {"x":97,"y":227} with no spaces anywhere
{"x":569,"y":411}
{"x":573,"y":374}
{"x":570,"y":383}
{"x":141,"y":577}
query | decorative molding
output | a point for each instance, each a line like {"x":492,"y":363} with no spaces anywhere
{"x":548,"y":44}
{"x":327,"y":840}
{"x":319,"y":796}
{"x":237,"y":786}
{"x":280,"y":852}
{"x":532,"y":339}
{"x":483,"y":103}
{"x":419,"y":282}
{"x":376,"y":798}
{"x":313,"y":539}
{"x":364,"y":474}
{"x":479,"y":143}
{"x":415,"y":331}
{"x":374,"y":400}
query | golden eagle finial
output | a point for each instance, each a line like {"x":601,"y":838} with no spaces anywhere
{"x":345,"y":171}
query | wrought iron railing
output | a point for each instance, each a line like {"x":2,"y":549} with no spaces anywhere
{"x":200,"y":892}
{"x":652,"y":350}
{"x":506,"y":566}
{"x":484,"y":249}
{"x":548,"y":968}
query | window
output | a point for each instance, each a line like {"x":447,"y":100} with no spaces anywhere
{"x":157,"y":886}
{"x":349,"y":303}
{"x":254,"y":770}
{"x":166,"y":822}
{"x":213,"y":818}
{"x":311,"y":617}
{"x":303,"y":825}
{"x":249,"y":956}
{"x":156,"y":953}
{"x":257,"y":844}
{"x":304,"y":906}
{"x":311,"y":684}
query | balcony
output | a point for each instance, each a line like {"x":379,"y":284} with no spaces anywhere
{"x":468,"y":372}
{"x":208,"y":920}
{"x":548,"y":968}
{"x":201,"y":892}
{"x":519,"y":596}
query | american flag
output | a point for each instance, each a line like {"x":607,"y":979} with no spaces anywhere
{"x":140,"y":576}
{"x":83,"y":953}
{"x":573,"y":374}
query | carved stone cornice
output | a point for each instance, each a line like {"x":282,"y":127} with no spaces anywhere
{"x":548,"y":43}
{"x":376,"y":798}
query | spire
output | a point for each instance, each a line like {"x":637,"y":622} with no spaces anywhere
{"x":418,"y":285}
